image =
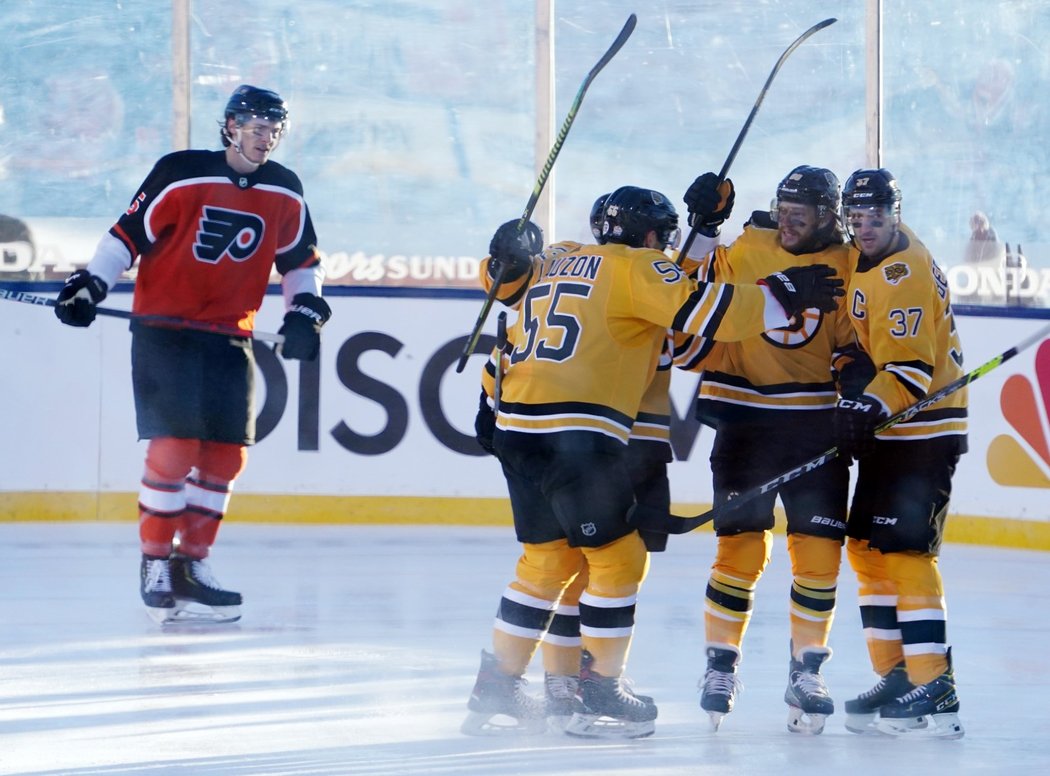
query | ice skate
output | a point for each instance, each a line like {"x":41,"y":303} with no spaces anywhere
{"x":199,"y":598}
{"x":155,"y":588}
{"x":499,"y":705}
{"x":720,"y":684}
{"x":560,"y":694}
{"x":809,"y":703}
{"x":862,"y":710}
{"x":930,"y":710}
{"x":607,"y":708}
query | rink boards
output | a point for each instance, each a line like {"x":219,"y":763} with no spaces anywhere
{"x":380,"y":428}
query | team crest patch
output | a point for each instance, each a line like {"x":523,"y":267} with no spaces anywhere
{"x":589,"y":529}
{"x":896,"y":272}
{"x":222,"y":232}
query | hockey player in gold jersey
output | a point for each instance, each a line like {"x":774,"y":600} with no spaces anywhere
{"x":648,"y":453}
{"x":770,"y":399}
{"x":899,"y":303}
{"x":588,"y":337}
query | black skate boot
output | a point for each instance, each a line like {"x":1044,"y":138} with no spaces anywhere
{"x":809,"y":703}
{"x":607,"y":708}
{"x":192,"y":582}
{"x":861,"y":711}
{"x":930,"y":710}
{"x":499,"y":705}
{"x":560,"y":692}
{"x":155,"y":588}
{"x":720,"y":684}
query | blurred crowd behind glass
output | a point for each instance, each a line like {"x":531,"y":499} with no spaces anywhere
{"x":413,"y":122}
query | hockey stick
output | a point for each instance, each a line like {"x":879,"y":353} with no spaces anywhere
{"x":675,"y":524}
{"x":751,"y":117}
{"x":501,"y":346}
{"x":490,"y":297}
{"x":181,"y":323}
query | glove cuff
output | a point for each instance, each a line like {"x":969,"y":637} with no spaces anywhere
{"x":312,"y":306}
{"x":98,"y":289}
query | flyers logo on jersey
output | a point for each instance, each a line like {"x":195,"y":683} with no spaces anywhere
{"x":222,"y":232}
{"x":1022,"y":459}
{"x":895,"y":273}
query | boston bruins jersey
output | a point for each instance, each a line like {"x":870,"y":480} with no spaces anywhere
{"x":901,"y":309}
{"x":591,"y":327}
{"x":786,"y":369}
{"x":652,"y":424}
{"x":209,"y":237}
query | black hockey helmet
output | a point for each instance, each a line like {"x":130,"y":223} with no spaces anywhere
{"x":632,"y":212}
{"x":872,"y":187}
{"x":249,"y":102}
{"x":597,"y":216}
{"x":807,"y":185}
{"x":252,"y":102}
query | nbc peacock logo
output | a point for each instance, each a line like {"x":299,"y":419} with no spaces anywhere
{"x":1022,"y":459}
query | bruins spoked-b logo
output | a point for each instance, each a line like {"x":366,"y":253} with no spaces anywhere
{"x":802,"y":328}
{"x":222,"y":232}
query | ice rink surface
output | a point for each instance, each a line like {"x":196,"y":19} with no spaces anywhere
{"x":359,"y":646}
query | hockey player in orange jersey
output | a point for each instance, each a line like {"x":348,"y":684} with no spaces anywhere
{"x":207,"y":228}
{"x":899,"y":303}
{"x":587,"y":340}
{"x":770,"y":399}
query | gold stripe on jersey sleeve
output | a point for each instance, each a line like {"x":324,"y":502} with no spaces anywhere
{"x":915,"y":378}
{"x":707,"y":307}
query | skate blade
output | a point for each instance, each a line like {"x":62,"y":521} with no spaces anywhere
{"x":715,"y":718}
{"x":806,"y":724}
{"x":597,"y":726}
{"x":945,"y":726}
{"x":862,"y":724}
{"x":201,"y":615}
{"x":556,"y":723}
{"x":159,"y":614}
{"x":481,"y":723}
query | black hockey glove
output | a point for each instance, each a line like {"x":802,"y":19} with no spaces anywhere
{"x":855,"y":423}
{"x":638,"y":516}
{"x":76,"y":302}
{"x":799,"y":288}
{"x":855,"y":374}
{"x":302,"y":327}
{"x":485,"y":425}
{"x":710,"y":203}
{"x":512,"y":251}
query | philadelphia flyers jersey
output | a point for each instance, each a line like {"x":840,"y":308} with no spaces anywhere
{"x":208,"y":237}
{"x":591,"y":327}
{"x":901,"y":309}
{"x":786,"y":369}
